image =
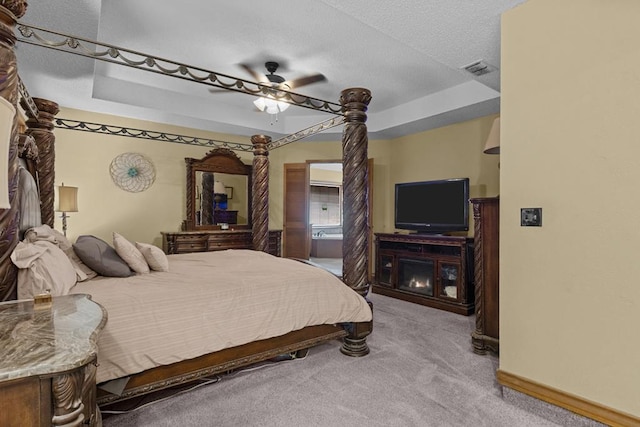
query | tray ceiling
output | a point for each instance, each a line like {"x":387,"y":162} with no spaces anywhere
{"x":410,"y":54}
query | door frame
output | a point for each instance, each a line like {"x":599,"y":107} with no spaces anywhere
{"x":308,"y":163}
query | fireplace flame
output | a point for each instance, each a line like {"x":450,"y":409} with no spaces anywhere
{"x":413,"y":283}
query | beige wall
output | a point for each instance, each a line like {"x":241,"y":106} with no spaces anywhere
{"x":569,"y":294}
{"x":448,"y":152}
{"x":83,"y":159}
{"x":325,"y":176}
{"x":301,"y":151}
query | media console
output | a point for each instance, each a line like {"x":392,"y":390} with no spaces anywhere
{"x":432,"y":270}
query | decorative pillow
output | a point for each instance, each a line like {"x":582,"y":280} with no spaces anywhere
{"x":155,"y":257}
{"x":130,"y":254}
{"x":43,"y":267}
{"x":100,"y":257}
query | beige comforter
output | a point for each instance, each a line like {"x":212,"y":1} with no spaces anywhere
{"x":210,"y":301}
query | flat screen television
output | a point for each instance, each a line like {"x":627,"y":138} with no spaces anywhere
{"x":437,"y":207}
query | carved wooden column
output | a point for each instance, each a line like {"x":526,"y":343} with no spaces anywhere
{"x":486,"y":217}
{"x":355,"y":207}
{"x":189,"y":223}
{"x":260,"y":193}
{"x":206,"y":204}
{"x":41,"y":128}
{"x":9,"y":11}
{"x":68,"y":408}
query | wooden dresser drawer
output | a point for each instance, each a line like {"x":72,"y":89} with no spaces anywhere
{"x":216,"y":240}
{"x":186,"y":247}
{"x":189,"y":243}
{"x":230,"y":240}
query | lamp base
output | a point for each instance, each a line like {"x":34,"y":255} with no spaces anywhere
{"x":64,"y":223}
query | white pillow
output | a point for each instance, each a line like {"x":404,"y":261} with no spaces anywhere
{"x":130,"y":254}
{"x":43,"y":267}
{"x":155,"y":257}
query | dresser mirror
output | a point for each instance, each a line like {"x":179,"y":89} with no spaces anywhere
{"x":218,"y":192}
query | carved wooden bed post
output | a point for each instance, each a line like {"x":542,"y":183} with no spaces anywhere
{"x":355,"y":205}
{"x":260,"y":193}
{"x":41,"y":129}
{"x":9,"y":220}
{"x":206,"y":217}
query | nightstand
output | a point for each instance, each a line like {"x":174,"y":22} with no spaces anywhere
{"x":48,"y":362}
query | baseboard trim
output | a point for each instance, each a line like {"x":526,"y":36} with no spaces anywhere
{"x":568,"y":401}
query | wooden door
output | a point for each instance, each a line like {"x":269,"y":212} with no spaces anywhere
{"x":296,"y":235}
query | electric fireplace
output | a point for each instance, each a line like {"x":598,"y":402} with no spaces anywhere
{"x":436,"y":271}
{"x":416,"y":275}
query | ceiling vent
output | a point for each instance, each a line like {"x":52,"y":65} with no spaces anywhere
{"x":479,"y":68}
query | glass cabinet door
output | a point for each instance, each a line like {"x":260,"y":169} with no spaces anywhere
{"x":449,"y":279}
{"x":385,"y":269}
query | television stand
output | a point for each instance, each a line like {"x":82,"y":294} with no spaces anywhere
{"x":427,"y":269}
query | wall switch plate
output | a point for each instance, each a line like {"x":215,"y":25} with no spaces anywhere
{"x":531,"y":217}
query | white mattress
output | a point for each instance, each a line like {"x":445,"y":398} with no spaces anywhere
{"x":209,"y":301}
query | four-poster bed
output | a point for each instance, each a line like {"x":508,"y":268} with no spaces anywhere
{"x":40,"y":118}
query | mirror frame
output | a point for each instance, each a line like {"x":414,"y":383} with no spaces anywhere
{"x":218,"y":160}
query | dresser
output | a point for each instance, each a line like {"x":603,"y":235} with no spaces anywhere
{"x":486,"y":252}
{"x":48,"y":362}
{"x":181,"y":242}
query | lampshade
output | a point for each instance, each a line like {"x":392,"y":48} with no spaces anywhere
{"x":7,"y":113}
{"x":218,"y":188}
{"x":270,"y":105}
{"x":492,"y":146}
{"x":67,"y":199}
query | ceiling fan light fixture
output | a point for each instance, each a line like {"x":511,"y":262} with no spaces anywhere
{"x":270,"y":105}
{"x":272,"y":109}
{"x":260,"y":103}
{"x":282,"y":106}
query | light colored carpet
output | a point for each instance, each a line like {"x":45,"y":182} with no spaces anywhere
{"x":421,"y":372}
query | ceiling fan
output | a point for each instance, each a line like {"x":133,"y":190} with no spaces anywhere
{"x":278,"y":81}
{"x":270,"y":102}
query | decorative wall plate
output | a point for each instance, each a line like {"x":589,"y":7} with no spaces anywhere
{"x":132,"y":172}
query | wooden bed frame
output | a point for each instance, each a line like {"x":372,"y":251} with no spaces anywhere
{"x":37,"y":144}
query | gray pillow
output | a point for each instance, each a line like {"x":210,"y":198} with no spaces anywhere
{"x":100,"y":257}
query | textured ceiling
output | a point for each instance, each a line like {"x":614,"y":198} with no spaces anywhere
{"x":409,"y":54}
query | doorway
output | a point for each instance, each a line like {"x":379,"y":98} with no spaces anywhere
{"x":325,"y":215}
{"x":297,"y":228}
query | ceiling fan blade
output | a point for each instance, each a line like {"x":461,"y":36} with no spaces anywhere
{"x":259,"y":77}
{"x":303,"y":81}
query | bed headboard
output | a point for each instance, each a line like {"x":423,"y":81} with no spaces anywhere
{"x":9,"y":217}
{"x":32,"y":144}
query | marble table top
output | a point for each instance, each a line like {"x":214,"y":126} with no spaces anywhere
{"x":48,"y":340}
